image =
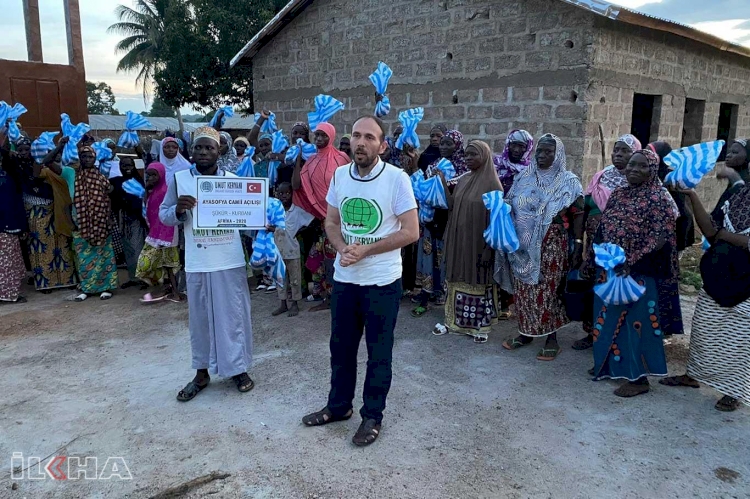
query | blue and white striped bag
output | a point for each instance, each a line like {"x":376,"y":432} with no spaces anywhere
{"x":409,"y":119}
{"x":228,"y":113}
{"x":380,"y":79}
{"x":301,"y":147}
{"x":75,"y":133}
{"x":247,"y":166}
{"x":618,"y":290}
{"x":134,"y":188}
{"x":691,"y":163}
{"x":501,"y":233}
{"x":43,"y":145}
{"x":266,"y":255}
{"x":12,"y":114}
{"x":268,"y":126}
{"x":279,"y":144}
{"x":705,"y":245}
{"x":325,"y":108}
{"x":103,"y":153}
{"x":129,"y":137}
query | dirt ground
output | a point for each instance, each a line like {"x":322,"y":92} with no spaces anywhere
{"x":463,"y":420}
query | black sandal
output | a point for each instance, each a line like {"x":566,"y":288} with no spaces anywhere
{"x":243,"y":382}
{"x":367,"y":433}
{"x":584,"y":343}
{"x":727,"y":404}
{"x":324,"y":417}
{"x":191,"y":390}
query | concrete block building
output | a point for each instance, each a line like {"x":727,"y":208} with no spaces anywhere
{"x":585,"y":70}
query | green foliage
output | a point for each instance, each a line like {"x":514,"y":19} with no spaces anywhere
{"x":691,"y":278}
{"x":160,"y":109}
{"x":198,"y":50}
{"x":100,"y":98}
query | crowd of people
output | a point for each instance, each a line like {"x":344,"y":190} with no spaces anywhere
{"x":351,"y":241}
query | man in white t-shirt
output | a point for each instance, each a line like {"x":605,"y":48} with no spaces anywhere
{"x":221,"y":334}
{"x":372,"y":214}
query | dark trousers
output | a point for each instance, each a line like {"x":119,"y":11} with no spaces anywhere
{"x":373,"y":309}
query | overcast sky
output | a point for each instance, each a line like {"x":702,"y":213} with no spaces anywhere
{"x":729,"y":19}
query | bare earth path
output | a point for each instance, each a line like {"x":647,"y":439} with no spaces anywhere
{"x":463,"y":420}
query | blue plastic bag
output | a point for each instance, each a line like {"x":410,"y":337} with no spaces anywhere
{"x":268,"y":126}
{"x":43,"y":145}
{"x":618,"y":290}
{"x":279,"y":144}
{"x":75,"y":133}
{"x":325,"y":108}
{"x":228,"y":113}
{"x":301,"y":147}
{"x":691,"y":164}
{"x":380,"y":79}
{"x":12,"y":114}
{"x":129,"y":137}
{"x":134,"y":187}
{"x":501,"y":233}
{"x":409,"y":119}
{"x":266,"y":255}
{"x":247,"y":166}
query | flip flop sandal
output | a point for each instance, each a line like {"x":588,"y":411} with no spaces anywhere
{"x":105,"y":296}
{"x":419,"y":311}
{"x":148,"y":298}
{"x":548,"y":354}
{"x":480,"y":338}
{"x":190,"y":391}
{"x":439,"y":330}
{"x":583,"y":344}
{"x":261,"y":287}
{"x":514,"y":344}
{"x":678,"y":381}
{"x":727,"y":404}
{"x":504,"y":316}
{"x":81,"y":297}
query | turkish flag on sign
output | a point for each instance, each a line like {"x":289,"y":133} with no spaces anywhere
{"x":253,"y":187}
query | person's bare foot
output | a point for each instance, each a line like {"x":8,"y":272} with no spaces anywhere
{"x":282,"y":308}
{"x":294,"y":310}
{"x":324,"y":305}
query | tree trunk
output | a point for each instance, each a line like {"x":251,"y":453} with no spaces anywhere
{"x":180,"y":122}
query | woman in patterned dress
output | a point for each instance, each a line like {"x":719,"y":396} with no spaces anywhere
{"x":720,"y":337}
{"x":547,"y":206}
{"x":97,"y":268}
{"x":628,"y":338}
{"x":430,"y":257}
{"x":471,"y":304}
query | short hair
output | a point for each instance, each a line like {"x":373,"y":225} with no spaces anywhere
{"x":378,"y":121}
{"x":286,"y":185}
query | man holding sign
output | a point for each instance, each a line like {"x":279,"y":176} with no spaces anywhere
{"x":221,"y":334}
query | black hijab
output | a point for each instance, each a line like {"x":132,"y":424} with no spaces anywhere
{"x":431,"y":153}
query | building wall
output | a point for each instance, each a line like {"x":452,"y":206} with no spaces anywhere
{"x":483,"y":68}
{"x":629,"y":59}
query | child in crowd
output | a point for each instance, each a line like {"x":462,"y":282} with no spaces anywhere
{"x":286,"y":240}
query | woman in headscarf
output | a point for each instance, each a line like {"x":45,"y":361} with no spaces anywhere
{"x":432,"y":152}
{"x":720,"y":336}
{"x":92,"y":241}
{"x":300,"y":130}
{"x":47,"y":202}
{"x":471,"y":303}
{"x":13,"y":225}
{"x":515,"y":158}
{"x":685,"y":225}
{"x":240,"y":146}
{"x":170,"y":157}
{"x":160,"y":257}
{"x":628,"y":339}
{"x":345,"y":145}
{"x":310,"y":183}
{"x":596,"y":196}
{"x":228,"y":160}
{"x":430,"y":258}
{"x":129,"y":209}
{"x":547,"y":209}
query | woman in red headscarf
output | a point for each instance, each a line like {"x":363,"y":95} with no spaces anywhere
{"x":310,"y":183}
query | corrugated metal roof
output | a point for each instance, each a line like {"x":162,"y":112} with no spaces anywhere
{"x":600,"y":7}
{"x":117,"y":123}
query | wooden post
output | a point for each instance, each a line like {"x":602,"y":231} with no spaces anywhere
{"x":33,"y":30}
{"x":73,"y":29}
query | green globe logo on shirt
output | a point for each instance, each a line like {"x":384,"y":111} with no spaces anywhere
{"x":361,"y":216}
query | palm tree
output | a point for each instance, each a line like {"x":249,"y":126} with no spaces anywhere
{"x":143,"y":28}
